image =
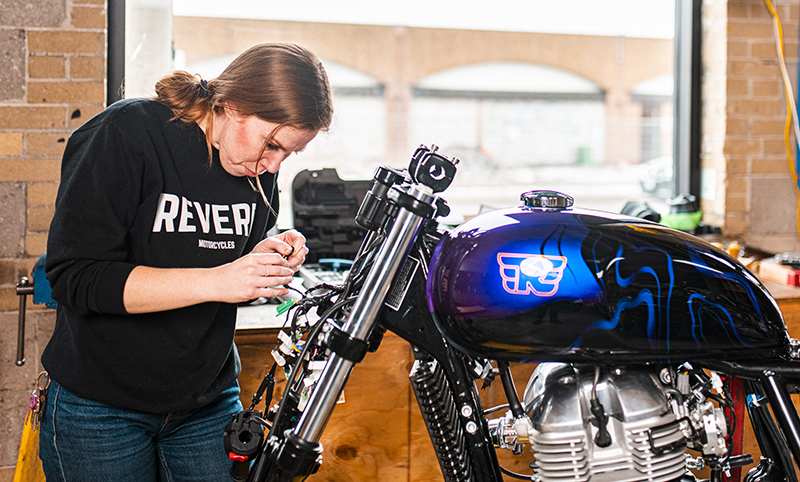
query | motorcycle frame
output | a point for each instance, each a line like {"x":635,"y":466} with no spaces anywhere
{"x":411,"y":228}
{"x":415,"y":324}
{"x":774,"y":376}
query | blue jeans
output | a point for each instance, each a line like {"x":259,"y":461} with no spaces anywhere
{"x":82,"y":441}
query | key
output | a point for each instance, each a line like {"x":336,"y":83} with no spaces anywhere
{"x":33,"y":408}
{"x":42,"y":382}
{"x":40,"y":408}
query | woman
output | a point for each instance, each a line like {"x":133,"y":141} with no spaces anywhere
{"x":158,"y":233}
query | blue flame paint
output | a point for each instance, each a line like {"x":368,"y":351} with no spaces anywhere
{"x":630,"y":288}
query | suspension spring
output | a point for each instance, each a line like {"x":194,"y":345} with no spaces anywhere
{"x":441,"y":417}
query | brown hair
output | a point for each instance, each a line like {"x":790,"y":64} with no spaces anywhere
{"x":278,"y":82}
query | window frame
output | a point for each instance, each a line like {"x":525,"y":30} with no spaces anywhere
{"x":687,"y":97}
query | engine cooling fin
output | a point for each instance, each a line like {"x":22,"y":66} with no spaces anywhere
{"x":646,"y":442}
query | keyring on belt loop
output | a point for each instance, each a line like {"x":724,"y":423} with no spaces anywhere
{"x":46,"y":382}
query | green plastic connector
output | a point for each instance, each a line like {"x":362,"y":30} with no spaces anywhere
{"x":284,"y":307}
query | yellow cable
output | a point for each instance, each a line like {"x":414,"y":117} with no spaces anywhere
{"x":791,"y":110}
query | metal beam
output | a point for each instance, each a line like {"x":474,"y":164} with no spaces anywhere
{"x":687,"y":96}
{"x":115,"y":55}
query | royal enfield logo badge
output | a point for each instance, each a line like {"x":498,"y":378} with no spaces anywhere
{"x":524,"y":274}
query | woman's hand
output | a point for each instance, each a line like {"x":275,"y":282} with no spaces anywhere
{"x":252,"y":276}
{"x":262,"y":273}
{"x":289,"y":244}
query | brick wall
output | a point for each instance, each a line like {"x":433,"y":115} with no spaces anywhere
{"x":52,"y":79}
{"x":744,"y":109}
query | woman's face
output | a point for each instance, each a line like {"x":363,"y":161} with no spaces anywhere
{"x":240,"y":140}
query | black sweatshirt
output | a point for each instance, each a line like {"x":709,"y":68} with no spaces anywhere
{"x":138,"y":189}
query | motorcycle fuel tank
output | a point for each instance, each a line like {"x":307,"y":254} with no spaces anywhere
{"x":545,"y":281}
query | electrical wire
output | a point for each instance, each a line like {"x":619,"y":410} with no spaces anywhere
{"x":492,"y":410}
{"x":295,"y":376}
{"x":791,"y":110}
{"x":514,"y":474}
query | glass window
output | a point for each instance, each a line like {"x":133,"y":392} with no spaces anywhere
{"x":571,"y":96}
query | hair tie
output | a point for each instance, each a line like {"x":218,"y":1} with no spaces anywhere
{"x":203,"y":88}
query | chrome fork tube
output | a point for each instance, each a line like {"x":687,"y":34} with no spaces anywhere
{"x":362,"y":317}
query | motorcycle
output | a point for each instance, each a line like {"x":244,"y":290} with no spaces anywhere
{"x":643,"y":335}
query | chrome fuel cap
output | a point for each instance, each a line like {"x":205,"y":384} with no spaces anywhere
{"x":547,"y":199}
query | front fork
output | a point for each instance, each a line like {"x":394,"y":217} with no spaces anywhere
{"x":294,"y":455}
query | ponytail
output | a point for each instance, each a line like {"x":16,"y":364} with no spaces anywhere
{"x":187,"y":95}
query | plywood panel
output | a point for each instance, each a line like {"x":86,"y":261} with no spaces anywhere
{"x":378,"y":432}
{"x":367,"y":437}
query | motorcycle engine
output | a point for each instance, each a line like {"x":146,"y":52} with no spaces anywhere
{"x":649,"y":430}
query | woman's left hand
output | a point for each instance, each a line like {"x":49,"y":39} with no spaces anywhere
{"x":289,"y":244}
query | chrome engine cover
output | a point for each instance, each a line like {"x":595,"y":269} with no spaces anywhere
{"x":647,"y":443}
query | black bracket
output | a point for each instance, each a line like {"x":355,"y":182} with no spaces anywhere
{"x":409,"y":202}
{"x":346,"y":346}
